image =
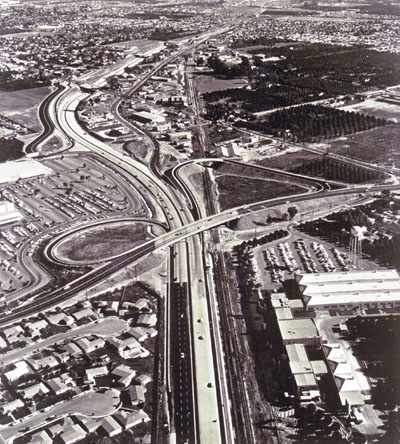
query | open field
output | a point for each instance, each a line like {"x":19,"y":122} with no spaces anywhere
{"x":100,"y":243}
{"x":22,"y":106}
{"x":210,"y":83}
{"x":379,"y":145}
{"x":377,"y":108}
{"x":234,"y":190}
{"x":289,"y":160}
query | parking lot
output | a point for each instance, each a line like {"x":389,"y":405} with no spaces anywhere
{"x":279,"y":260}
{"x":78,"y":189}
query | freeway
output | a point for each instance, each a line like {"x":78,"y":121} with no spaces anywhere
{"x":204,"y":427}
{"x":174,"y":236}
{"x":201,"y":405}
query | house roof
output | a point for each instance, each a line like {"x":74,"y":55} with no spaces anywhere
{"x":73,"y":433}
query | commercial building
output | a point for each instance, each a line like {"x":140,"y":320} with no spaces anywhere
{"x":8,"y":213}
{"x":349,"y":290}
{"x":22,"y":169}
{"x":299,"y":331}
{"x":146,"y":117}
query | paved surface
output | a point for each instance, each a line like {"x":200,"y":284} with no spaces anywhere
{"x":103,"y":327}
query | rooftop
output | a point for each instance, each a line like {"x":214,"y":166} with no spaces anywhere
{"x":297,"y":329}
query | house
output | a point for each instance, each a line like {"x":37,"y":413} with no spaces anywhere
{"x":72,"y":349}
{"x":46,"y":362}
{"x":35,"y":327}
{"x":60,"y":319}
{"x":13,"y":334}
{"x":124,"y":374}
{"x":90,"y":344}
{"x":148,"y":319}
{"x":129,"y":348}
{"x":3,"y":343}
{"x":139,"y":333}
{"x":136,"y":393}
{"x":89,"y":424}
{"x":131,"y":419}
{"x":95,"y":372}
{"x":143,"y":379}
{"x":34,"y":390}
{"x":72,"y":434}
{"x":141,"y":304}
{"x":21,"y":369}
{"x":11,"y":406}
{"x":84,"y":314}
{"x":111,"y":426}
{"x":41,"y":437}
{"x":61,"y":384}
{"x":151,"y":332}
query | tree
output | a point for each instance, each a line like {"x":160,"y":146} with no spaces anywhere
{"x":292,"y":211}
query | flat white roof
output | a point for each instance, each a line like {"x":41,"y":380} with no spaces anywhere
{"x":344,"y":276}
{"x":353,"y":287}
{"x":296,"y":352}
{"x":22,"y":169}
{"x":297,"y":329}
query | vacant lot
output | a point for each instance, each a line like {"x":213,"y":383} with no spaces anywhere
{"x":22,"y":106}
{"x":210,"y":83}
{"x":235,"y":191}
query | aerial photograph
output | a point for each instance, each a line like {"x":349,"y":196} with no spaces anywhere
{"x":199,"y":221}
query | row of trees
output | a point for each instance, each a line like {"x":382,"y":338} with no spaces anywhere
{"x":257,"y":241}
{"x":334,"y":170}
{"x":310,"y":123}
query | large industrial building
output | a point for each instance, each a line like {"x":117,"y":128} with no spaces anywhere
{"x":349,"y":290}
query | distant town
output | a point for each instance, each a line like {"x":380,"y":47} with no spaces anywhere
{"x":199,"y":222}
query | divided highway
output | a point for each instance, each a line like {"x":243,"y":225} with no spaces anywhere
{"x":199,"y":404}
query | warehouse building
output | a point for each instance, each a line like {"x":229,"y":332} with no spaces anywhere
{"x":349,"y":290}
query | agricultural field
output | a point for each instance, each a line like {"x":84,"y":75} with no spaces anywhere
{"x":312,"y":123}
{"x":310,"y":72}
{"x":379,"y":145}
